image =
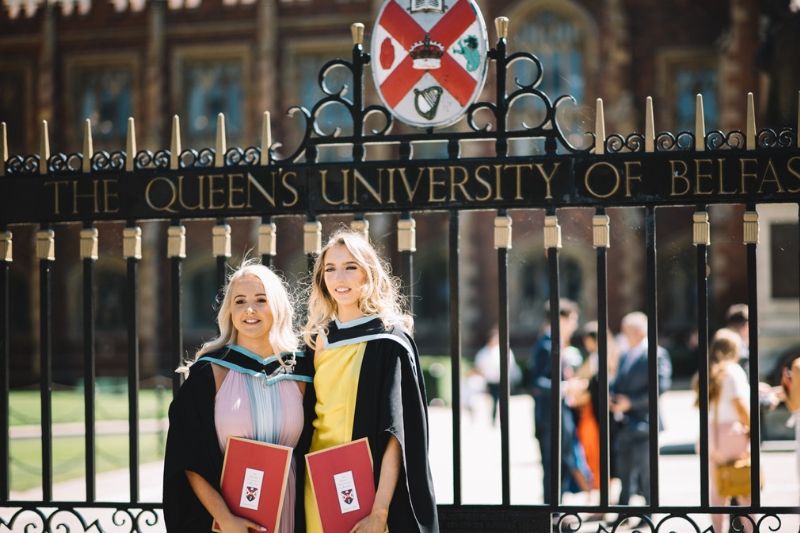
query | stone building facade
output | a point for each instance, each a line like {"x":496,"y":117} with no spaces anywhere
{"x":72,"y":59}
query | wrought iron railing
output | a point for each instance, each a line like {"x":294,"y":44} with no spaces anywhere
{"x":646,"y":170}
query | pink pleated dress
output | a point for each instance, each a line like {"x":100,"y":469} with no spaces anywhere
{"x":248,"y":407}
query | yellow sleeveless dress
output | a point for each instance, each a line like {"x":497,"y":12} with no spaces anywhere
{"x":336,"y":384}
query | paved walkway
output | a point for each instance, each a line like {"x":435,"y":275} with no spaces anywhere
{"x":76,"y":429}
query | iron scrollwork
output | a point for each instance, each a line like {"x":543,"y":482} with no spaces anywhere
{"x":666,"y":141}
{"x":638,"y":522}
{"x":769,"y":138}
{"x":109,"y":161}
{"x":69,"y":519}
{"x":22,"y":165}
{"x":616,"y":143}
{"x":719,"y":140}
{"x":236,"y":156}
{"x":146,"y":159}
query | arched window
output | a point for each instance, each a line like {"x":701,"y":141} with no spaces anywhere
{"x":104,"y":96}
{"x":529,"y":286}
{"x":682,"y":74}
{"x":431,"y":294}
{"x":209,"y":80}
{"x":213,"y":87}
{"x":561,"y":35}
{"x":20,"y":302}
{"x":199,"y":297}
{"x":333,"y":116}
{"x":110,"y":298}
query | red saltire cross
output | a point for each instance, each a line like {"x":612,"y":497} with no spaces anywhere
{"x":406,"y":31}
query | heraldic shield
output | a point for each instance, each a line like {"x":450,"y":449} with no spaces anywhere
{"x":429,"y":59}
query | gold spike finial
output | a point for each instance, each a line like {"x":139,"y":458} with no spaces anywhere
{"x":357,"y":31}
{"x":501,"y":25}
{"x":360,"y":226}
{"x":44,"y":149}
{"x":750,"y":137}
{"x":3,"y":148}
{"x":221,"y":148}
{"x":88,"y":148}
{"x":406,"y":235}
{"x":266,"y":138}
{"x":649,"y":127}
{"x":130,"y":146}
{"x":502,"y":232}
{"x":312,"y":237}
{"x":699,"y":124}
{"x":599,"y":128}
{"x":267,"y":239}
{"x":175,"y":144}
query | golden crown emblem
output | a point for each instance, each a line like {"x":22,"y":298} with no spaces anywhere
{"x":427,"y":54}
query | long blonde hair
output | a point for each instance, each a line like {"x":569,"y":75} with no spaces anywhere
{"x":725,"y":347}
{"x":380,"y":294}
{"x":282,"y":336}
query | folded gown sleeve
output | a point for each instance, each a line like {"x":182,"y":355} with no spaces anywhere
{"x":191,"y":446}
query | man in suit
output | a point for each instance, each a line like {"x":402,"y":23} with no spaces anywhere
{"x":629,"y":406}
{"x":540,"y":386}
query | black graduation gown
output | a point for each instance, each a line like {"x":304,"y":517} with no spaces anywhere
{"x":192,"y":440}
{"x":391,"y":401}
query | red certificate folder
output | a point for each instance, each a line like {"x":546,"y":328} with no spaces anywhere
{"x":343,"y":484}
{"x":253,"y":480}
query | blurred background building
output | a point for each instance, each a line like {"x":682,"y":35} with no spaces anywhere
{"x":67,"y":60}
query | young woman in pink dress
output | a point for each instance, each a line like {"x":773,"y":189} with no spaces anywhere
{"x":247,"y":382}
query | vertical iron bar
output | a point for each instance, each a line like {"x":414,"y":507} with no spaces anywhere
{"x":455,"y":352}
{"x":499,"y":55}
{"x":407,"y":270}
{"x":176,"y":264}
{"x":359,"y":60}
{"x":5,"y":365}
{"x":310,"y":217}
{"x":652,"y":349}
{"x":89,"y":374}
{"x":46,"y":372}
{"x":602,"y":366}
{"x":755,"y":414}
{"x":555,"y":377}
{"x":132,"y":313}
{"x":407,"y":257}
{"x":702,"y":344}
{"x":505,"y":389}
{"x":222,"y":263}
{"x":266,"y":259}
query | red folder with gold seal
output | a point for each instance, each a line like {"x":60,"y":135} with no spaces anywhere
{"x":343,"y":484}
{"x":253,"y":480}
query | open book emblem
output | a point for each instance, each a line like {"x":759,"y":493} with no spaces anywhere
{"x":427,"y":6}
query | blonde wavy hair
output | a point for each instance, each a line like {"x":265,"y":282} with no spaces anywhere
{"x":282,"y":335}
{"x":380,"y":294}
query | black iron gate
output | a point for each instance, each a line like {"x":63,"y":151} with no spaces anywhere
{"x":647,"y":170}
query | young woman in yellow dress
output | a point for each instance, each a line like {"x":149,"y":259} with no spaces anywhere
{"x":368,"y":383}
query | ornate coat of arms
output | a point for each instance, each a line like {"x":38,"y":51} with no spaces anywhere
{"x":429,"y":59}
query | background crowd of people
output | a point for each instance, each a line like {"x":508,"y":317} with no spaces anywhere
{"x":628,"y":400}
